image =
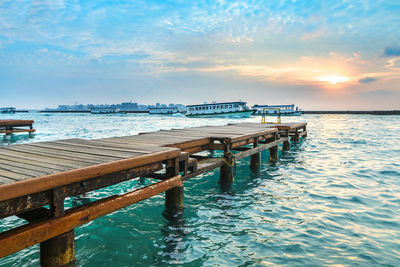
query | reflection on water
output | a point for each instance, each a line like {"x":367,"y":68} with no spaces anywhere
{"x":331,"y":200}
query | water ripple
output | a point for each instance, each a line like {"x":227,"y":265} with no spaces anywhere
{"x":332,"y":200}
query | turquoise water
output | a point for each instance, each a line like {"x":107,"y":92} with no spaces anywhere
{"x":334,"y":199}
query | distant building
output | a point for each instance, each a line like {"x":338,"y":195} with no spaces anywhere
{"x":124,"y":106}
{"x":128,"y":106}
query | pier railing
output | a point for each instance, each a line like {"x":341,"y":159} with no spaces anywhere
{"x":39,"y":174}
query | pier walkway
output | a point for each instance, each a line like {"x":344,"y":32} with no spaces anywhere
{"x":35,"y":175}
{"x":8,"y":127}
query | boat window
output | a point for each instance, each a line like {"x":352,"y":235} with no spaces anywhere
{"x":230,"y":106}
{"x":213,"y":107}
{"x":236,"y":105}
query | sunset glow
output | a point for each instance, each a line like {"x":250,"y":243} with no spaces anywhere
{"x":277,"y":51}
{"x":333,"y":79}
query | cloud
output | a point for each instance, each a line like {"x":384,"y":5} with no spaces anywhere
{"x":393,"y":64}
{"x":393,"y":51}
{"x":367,"y":80}
{"x":377,"y":93}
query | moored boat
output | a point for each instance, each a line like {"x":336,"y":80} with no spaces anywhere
{"x":275,"y":110}
{"x":8,"y":110}
{"x":163,"y":110}
{"x":226,"y":109}
{"x":107,"y":111}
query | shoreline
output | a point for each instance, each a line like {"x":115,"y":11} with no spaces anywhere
{"x":85,"y":111}
{"x":350,"y":112}
{"x":354,"y":112}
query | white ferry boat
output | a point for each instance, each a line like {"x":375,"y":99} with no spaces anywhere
{"x":8,"y":110}
{"x":106,"y":111}
{"x":275,"y":110}
{"x":163,"y":110}
{"x":226,"y":109}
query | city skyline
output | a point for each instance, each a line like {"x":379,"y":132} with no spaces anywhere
{"x":318,"y":55}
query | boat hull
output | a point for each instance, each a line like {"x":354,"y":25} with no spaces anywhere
{"x":233,"y":114}
{"x":297,"y":113}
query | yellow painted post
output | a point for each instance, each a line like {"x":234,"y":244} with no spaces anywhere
{"x":58,"y":251}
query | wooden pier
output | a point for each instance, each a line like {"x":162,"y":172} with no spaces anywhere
{"x":35,"y":175}
{"x":9,"y":127}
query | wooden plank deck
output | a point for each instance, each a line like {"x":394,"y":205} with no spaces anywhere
{"x":34,"y":167}
{"x":45,"y":173}
{"x":8,"y":126}
{"x":15,"y":123}
{"x":280,"y":126}
{"x":35,"y":160}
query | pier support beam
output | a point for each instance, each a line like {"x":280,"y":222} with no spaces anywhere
{"x":174,"y":196}
{"x":273,"y":154}
{"x":174,"y":201}
{"x":255,"y":159}
{"x":59,"y":250}
{"x":286,"y":145}
{"x":296,"y":137}
{"x":227,"y":172}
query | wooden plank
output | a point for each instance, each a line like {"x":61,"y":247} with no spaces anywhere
{"x":11,"y":175}
{"x":16,"y":239}
{"x":17,"y":155}
{"x":204,"y":166}
{"x":57,"y":154}
{"x":24,"y":165}
{"x":22,"y":171}
{"x":85,"y":150}
{"x":5,"y":180}
{"x":33,"y":162}
{"x":46,"y":182}
{"x":37,"y":200}
{"x":129,"y":147}
{"x":190,"y":144}
{"x":4,"y":123}
{"x":257,"y":149}
{"x":17,"y":131}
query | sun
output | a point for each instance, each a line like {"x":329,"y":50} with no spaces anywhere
{"x":333,"y":79}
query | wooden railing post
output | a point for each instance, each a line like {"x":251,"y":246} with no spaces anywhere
{"x":227,"y":170}
{"x":296,"y":137}
{"x":255,"y":159}
{"x":286,"y":144}
{"x":59,"y":250}
{"x":174,"y":197}
{"x":273,"y":152}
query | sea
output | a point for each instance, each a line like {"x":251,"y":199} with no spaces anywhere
{"x":332,"y":200}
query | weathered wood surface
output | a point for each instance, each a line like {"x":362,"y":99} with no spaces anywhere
{"x":44,"y":173}
{"x":34,"y":167}
{"x":15,"y":123}
{"x":280,"y":126}
{"x":27,"y":235}
{"x":17,"y":131}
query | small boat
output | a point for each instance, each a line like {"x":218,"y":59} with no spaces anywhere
{"x":8,"y":110}
{"x":227,"y":109}
{"x":275,"y":110}
{"x":107,"y":111}
{"x":163,"y":110}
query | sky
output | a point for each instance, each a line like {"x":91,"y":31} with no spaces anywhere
{"x":317,"y":54}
